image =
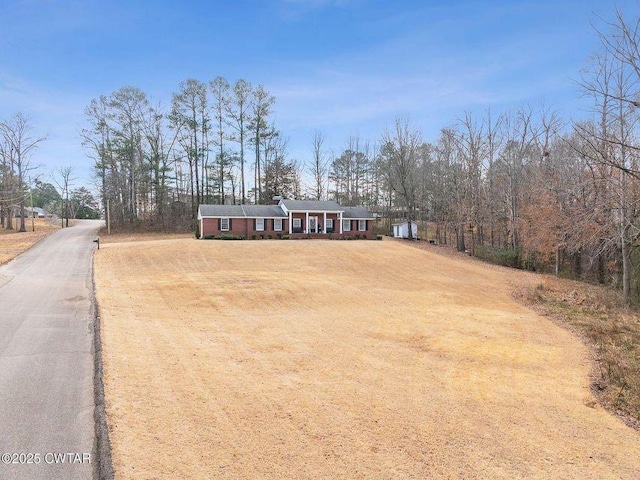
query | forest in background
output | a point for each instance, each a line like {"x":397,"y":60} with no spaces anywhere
{"x":524,"y":188}
{"x":23,"y":187}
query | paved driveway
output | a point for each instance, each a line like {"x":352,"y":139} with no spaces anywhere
{"x":46,"y":362}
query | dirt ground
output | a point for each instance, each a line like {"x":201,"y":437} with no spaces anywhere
{"x":13,"y":243}
{"x":336,"y":359}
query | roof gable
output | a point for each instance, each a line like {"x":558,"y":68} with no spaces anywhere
{"x":311,"y":205}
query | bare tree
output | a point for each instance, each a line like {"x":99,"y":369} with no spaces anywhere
{"x":282,"y":177}
{"x":8,"y":191}
{"x":18,"y":140}
{"x":623,"y":44}
{"x":469,"y":140}
{"x":613,"y":82}
{"x":494,"y":142}
{"x":318,"y":167}
{"x":190,"y":116}
{"x":64,"y":181}
{"x":457,"y":191}
{"x":221,"y":104}
{"x":160,"y":158}
{"x":519,"y":149}
{"x":349,"y":171}
{"x":238,"y":111}
{"x":260,"y":109}
{"x":96,"y":141}
{"x":401,"y":150}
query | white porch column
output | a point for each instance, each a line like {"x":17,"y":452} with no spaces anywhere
{"x":290,"y":223}
{"x":324,"y":224}
{"x":306,"y":227}
{"x":340,"y":221}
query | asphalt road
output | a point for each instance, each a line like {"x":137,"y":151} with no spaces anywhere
{"x":46,"y":361}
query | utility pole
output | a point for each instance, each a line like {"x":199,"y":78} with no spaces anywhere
{"x":108,"y":219}
{"x":33,"y":222}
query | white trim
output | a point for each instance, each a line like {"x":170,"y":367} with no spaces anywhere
{"x":239,"y":216}
{"x":316,"y":211}
{"x":279,"y":229}
{"x":306,"y":229}
{"x":259,"y":228}
{"x":222,"y":219}
{"x":343,"y":224}
{"x":365,"y":225}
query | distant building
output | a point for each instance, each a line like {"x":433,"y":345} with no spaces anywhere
{"x":35,"y":212}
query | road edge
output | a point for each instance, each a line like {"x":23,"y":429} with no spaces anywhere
{"x":7,"y":262}
{"x":103,"y":469}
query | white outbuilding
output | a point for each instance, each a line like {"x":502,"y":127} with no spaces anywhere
{"x":401,"y":230}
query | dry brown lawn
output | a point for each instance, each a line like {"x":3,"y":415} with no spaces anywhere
{"x":120,"y":237}
{"x":337,"y":359}
{"x":13,"y":243}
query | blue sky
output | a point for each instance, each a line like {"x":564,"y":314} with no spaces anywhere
{"x":344,"y":67}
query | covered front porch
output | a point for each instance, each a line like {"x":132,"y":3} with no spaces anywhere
{"x":315,"y":223}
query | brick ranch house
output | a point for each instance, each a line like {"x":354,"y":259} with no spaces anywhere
{"x":296,"y":218}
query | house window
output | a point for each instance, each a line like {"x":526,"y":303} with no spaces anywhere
{"x":259,"y":224}
{"x":362,"y":225}
{"x":277,"y":224}
{"x":346,"y":225}
{"x":224,"y":224}
{"x":329,"y":225}
{"x":297,"y":223}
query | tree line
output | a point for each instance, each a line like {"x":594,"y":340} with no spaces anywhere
{"x":526,"y":188}
{"x":21,"y":186}
{"x":523,"y":187}
{"x":157,"y":164}
{"x":16,"y":146}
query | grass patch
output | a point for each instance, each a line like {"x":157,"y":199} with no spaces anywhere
{"x":612,"y":330}
{"x":13,"y":243}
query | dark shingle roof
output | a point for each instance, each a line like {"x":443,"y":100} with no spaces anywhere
{"x":220,"y":211}
{"x":242,"y":211}
{"x":275,"y":211}
{"x":356,"y":212}
{"x":312,"y":205}
{"x":263,"y":211}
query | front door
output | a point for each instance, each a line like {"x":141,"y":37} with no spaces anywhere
{"x":313,"y":224}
